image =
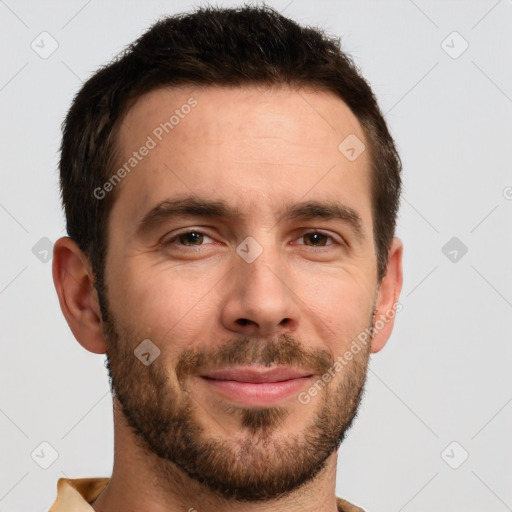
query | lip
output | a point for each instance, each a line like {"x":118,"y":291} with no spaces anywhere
{"x":257,"y":386}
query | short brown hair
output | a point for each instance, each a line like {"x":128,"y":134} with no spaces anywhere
{"x":213,"y":47}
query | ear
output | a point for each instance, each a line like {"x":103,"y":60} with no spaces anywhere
{"x":387,"y":297}
{"x":74,"y":282}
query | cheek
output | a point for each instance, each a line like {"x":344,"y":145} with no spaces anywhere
{"x":339,"y":308}
{"x":170,"y":306}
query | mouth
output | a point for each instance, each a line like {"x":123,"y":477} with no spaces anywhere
{"x":257,"y":386}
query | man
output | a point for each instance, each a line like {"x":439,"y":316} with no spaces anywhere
{"x":231,"y":191}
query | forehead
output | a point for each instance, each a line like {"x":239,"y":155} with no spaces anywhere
{"x":243,"y":145}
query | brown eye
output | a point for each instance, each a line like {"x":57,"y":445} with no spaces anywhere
{"x":315,"y":239}
{"x":191,"y":238}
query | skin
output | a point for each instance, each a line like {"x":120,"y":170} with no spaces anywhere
{"x":257,"y":149}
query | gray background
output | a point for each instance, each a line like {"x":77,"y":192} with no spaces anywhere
{"x":444,"y":376}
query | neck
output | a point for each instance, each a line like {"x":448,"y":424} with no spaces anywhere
{"x":142,"y":481}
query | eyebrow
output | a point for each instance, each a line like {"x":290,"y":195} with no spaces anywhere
{"x":187,"y":206}
{"x":326,"y":210}
{"x":196,"y":207}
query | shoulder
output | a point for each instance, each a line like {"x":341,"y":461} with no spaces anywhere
{"x":345,"y":506}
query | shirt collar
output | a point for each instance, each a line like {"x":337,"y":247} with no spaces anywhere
{"x":76,"y":493}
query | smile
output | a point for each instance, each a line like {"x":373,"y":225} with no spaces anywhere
{"x":257,"y":386}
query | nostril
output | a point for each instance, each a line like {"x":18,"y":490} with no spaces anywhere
{"x":284,"y":321}
{"x":243,"y":321}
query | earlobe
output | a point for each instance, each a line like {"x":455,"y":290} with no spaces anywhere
{"x":74,"y":283}
{"x":387,"y":298}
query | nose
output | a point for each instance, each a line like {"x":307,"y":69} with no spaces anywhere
{"x":260,"y":299}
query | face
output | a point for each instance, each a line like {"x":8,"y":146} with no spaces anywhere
{"x":241,"y":245}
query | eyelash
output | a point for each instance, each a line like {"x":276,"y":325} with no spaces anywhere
{"x":197,"y":247}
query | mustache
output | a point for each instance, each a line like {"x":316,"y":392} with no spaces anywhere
{"x":283,"y":350}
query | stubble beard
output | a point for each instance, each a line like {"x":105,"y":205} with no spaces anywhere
{"x":261,"y":461}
